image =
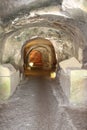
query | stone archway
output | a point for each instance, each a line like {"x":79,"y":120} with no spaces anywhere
{"x":38,"y":56}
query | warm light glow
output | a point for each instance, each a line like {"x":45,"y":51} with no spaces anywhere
{"x":31,"y":64}
{"x":53,"y":75}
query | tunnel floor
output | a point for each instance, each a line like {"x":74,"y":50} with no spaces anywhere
{"x":38,"y":105}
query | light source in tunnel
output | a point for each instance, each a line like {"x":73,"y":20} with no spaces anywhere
{"x":31,"y":64}
{"x":53,"y":75}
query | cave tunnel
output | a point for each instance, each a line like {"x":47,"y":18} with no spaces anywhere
{"x":41,"y":40}
{"x":39,"y":58}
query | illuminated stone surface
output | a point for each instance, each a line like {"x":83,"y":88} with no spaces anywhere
{"x":4,"y":83}
{"x":82,"y":4}
{"x":9,"y":79}
{"x":73,"y":81}
{"x":78,"y":88}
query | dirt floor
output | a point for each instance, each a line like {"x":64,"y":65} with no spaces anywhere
{"x":39,"y":104}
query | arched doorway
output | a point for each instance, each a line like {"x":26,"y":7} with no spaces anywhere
{"x":35,"y":58}
{"x":38,"y":57}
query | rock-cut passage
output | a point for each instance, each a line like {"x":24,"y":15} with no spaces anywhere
{"x":39,"y":57}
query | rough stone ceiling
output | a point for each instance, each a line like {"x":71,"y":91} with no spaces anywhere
{"x":23,"y":21}
{"x":8,"y":7}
